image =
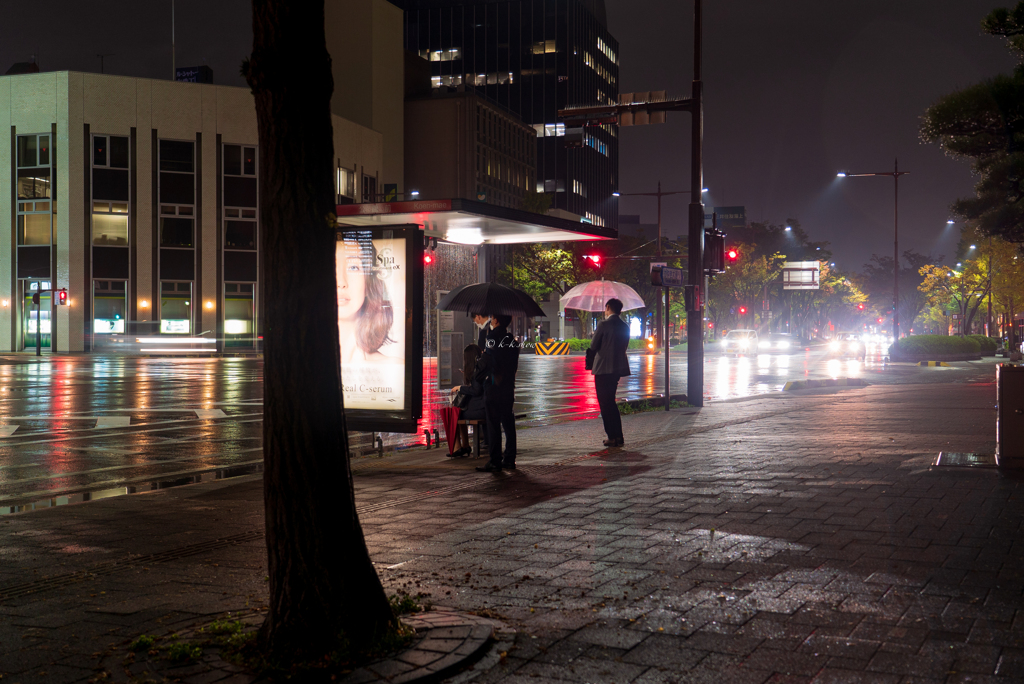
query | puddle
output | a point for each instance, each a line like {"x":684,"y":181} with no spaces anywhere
{"x":221,"y":473}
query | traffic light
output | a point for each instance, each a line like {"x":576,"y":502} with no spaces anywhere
{"x":62,"y":296}
{"x":711,"y":326}
{"x":743,"y":311}
{"x":860,"y":307}
{"x":428,"y":259}
{"x":879,"y":320}
{"x":714,"y":252}
{"x":594,"y":259}
{"x":732,"y":254}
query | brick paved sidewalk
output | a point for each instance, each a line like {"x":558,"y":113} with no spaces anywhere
{"x":791,"y":538}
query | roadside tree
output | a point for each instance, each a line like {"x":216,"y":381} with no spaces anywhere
{"x":963,"y":289}
{"x":322,"y":585}
{"x":984,"y":124}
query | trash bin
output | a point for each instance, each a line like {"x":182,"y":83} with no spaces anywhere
{"x":1010,"y":416}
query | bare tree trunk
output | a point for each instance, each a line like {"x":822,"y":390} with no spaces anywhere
{"x":322,"y":583}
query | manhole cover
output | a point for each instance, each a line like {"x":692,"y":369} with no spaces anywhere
{"x":965,"y":460}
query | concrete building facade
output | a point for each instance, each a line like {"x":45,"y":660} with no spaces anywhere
{"x":140,"y":197}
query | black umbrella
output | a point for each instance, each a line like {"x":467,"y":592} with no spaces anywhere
{"x":491,"y":299}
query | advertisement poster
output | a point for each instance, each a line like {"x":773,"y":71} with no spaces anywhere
{"x":376,"y":329}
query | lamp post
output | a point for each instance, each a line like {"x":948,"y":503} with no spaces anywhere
{"x":895,"y":175}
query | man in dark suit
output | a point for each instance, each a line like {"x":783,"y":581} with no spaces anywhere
{"x":610,"y":363}
{"x":481,"y":321}
{"x":504,"y":358}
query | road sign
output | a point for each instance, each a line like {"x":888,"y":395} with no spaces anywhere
{"x":666,"y":276}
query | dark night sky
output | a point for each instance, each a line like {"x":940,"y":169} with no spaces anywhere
{"x":795,"y":90}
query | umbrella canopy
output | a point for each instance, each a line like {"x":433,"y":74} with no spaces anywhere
{"x":594,"y":295}
{"x":450,"y":421}
{"x":491,"y":299}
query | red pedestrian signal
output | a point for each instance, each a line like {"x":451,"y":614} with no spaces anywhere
{"x":732,"y":254}
{"x":743,"y":311}
{"x":62,"y":297}
{"x":428,"y":259}
{"x":594,"y":259}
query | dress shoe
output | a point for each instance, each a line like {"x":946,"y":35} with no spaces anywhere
{"x":488,"y":468}
{"x":508,"y":465}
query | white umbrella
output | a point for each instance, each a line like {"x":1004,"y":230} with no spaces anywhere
{"x":594,"y":295}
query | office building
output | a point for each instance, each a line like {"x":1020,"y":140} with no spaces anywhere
{"x":534,"y":57}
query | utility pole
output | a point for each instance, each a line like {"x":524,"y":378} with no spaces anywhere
{"x":102,"y":56}
{"x":636,"y":109}
{"x":174,"y":70}
{"x":695,"y":270}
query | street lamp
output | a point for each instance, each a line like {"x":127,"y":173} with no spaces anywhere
{"x":895,"y":175}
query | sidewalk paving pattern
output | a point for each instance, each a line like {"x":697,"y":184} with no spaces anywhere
{"x":790,"y":538}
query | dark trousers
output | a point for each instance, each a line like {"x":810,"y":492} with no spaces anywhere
{"x":605,"y":384}
{"x":500,"y":416}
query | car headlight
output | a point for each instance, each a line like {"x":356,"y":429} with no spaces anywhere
{"x":854,"y":346}
{"x":783,"y":344}
{"x":834,"y":346}
{"x":744,"y":344}
{"x":764,"y":344}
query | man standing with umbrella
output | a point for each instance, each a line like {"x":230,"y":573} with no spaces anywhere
{"x":610,"y":363}
{"x":503,"y":356}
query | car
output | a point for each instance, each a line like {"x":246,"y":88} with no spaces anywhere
{"x":847,"y":344}
{"x":777,"y":343}
{"x":740,"y":342}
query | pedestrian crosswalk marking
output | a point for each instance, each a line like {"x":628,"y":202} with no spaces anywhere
{"x":113,"y":421}
{"x":7,"y":430}
{"x":207,"y":414}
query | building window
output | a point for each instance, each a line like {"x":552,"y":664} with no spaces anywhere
{"x":110,"y":151}
{"x":446,"y":55}
{"x":369,"y":188}
{"x":109,"y":306}
{"x":544,"y":47}
{"x":345,"y":182}
{"x":176,"y":307}
{"x":177,"y":194}
{"x":579,"y":188}
{"x":239,"y":160}
{"x":34,"y":173}
{"x":607,"y":51}
{"x":549,"y":130}
{"x":110,"y":224}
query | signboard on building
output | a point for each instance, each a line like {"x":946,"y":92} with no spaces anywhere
{"x":196,"y":74}
{"x":390,"y":192}
{"x":801,"y":275}
{"x":730,"y":217}
{"x":380,"y":324}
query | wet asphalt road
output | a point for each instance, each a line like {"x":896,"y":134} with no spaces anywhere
{"x":74,"y":428}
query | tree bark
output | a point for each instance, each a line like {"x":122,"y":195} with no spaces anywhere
{"x":322,"y":583}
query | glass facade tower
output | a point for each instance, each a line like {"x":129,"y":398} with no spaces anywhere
{"x":533,"y":57}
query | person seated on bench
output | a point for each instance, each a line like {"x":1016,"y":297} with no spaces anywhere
{"x":475,"y":391}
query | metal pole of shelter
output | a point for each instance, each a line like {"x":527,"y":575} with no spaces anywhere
{"x":39,"y":325}
{"x":668,"y":388}
{"x":896,"y":260}
{"x":695,"y":270}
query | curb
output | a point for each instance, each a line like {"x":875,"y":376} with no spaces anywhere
{"x":933,"y":363}
{"x":445,"y":642}
{"x":837,"y":382}
{"x":433,"y":656}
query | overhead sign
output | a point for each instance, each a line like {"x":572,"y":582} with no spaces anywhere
{"x":380,"y":326}
{"x":801,"y":275}
{"x":196,"y":74}
{"x":730,"y":217}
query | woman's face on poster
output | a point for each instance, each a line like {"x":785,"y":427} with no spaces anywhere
{"x":351,"y":281}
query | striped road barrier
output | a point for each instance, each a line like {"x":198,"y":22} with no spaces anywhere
{"x":932,"y":363}
{"x":552,"y":348}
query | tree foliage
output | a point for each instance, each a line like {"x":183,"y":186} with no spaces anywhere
{"x":876,"y":281}
{"x":962,"y":290}
{"x":984,"y":124}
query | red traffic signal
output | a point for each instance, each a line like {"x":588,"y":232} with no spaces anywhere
{"x":743,"y":311}
{"x":860,"y":307}
{"x":594,"y":259}
{"x":879,"y":320}
{"x":428,"y":259}
{"x":711,"y":326}
{"x":732,"y":254}
{"x":62,"y":297}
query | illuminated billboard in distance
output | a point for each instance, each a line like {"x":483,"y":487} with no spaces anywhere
{"x":380,"y":326}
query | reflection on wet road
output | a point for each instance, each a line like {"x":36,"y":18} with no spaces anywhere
{"x":110,"y":425}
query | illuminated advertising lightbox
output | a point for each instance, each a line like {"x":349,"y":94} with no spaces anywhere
{"x":380,"y":326}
